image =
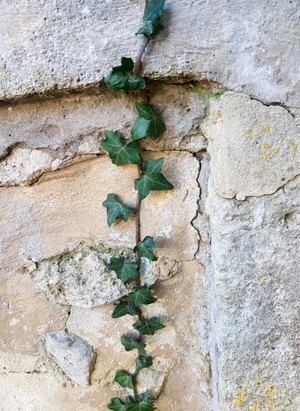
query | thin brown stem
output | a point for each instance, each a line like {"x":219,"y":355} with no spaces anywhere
{"x":138,"y":61}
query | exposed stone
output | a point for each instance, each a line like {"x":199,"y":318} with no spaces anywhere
{"x":162,"y":269}
{"x":72,"y":354}
{"x":245,"y":46}
{"x":150,"y":381}
{"x":253,"y":147}
{"x":253,"y":285}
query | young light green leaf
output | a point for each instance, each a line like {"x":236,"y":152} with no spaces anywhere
{"x":116,"y":209}
{"x":144,"y":248}
{"x":122,"y":78}
{"x":143,"y":361}
{"x":116,"y":405}
{"x":152,"y":178}
{"x":126,"y":270}
{"x":124,"y":307}
{"x":120,"y":152}
{"x":149,"y":326}
{"x":124,"y":379}
{"x":152,"y":13}
{"x":148,"y":123}
{"x":141,"y":295}
{"x":130,"y":344}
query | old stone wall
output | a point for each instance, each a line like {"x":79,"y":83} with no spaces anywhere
{"x":225,"y":78}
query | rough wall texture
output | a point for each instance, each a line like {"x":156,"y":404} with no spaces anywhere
{"x":226,"y":81}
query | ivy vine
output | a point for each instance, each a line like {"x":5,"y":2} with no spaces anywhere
{"x":127,"y":78}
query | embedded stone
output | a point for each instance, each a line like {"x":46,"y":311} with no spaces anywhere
{"x":72,"y":354}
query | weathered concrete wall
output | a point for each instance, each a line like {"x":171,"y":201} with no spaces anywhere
{"x":227,"y":280}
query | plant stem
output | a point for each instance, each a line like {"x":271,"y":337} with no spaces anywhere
{"x":138,"y":61}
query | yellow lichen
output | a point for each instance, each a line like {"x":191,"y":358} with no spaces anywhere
{"x":266,"y":128}
{"x":259,"y":395}
{"x":240,"y":398}
{"x":265,"y":145}
{"x":261,"y":279}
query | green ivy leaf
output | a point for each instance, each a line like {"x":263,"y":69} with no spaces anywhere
{"x":116,"y":209}
{"x":152,"y":13}
{"x":124,"y":379}
{"x":124,"y":307}
{"x":152,"y":178}
{"x":130,"y":344}
{"x":144,"y":248}
{"x":141,"y":295}
{"x":120,"y":152}
{"x":126,"y":270}
{"x":143,"y":405}
{"x":148,"y":123}
{"x":148,"y":326}
{"x":122,"y":78}
{"x":143,"y":361}
{"x":116,"y":405}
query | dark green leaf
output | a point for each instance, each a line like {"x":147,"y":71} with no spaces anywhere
{"x":124,"y":307}
{"x":122,"y":78}
{"x":148,"y":326}
{"x":144,"y":248}
{"x":124,"y":379}
{"x":116,"y":209}
{"x":152,"y":13}
{"x":141,"y":295}
{"x":120,"y":152}
{"x":116,"y":405}
{"x":143,"y":405}
{"x":143,"y":361}
{"x":126,"y":270}
{"x":152,"y":178}
{"x":148,"y":123}
{"x":130,"y":344}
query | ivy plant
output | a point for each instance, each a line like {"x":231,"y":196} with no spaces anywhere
{"x":127,"y":78}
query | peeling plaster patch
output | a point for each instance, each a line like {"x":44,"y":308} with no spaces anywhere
{"x":80,"y":278}
{"x":73,"y":355}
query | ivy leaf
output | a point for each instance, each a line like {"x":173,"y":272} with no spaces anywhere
{"x":124,"y":307}
{"x":152,"y":178}
{"x":122,"y":78}
{"x":126,"y":270}
{"x":120,"y":152}
{"x":143,"y":361}
{"x":130,"y":344}
{"x":116,"y":209}
{"x":148,"y":123}
{"x":141,"y":295}
{"x":116,"y":405}
{"x":148,"y":326}
{"x":143,"y":405}
{"x":152,"y":13}
{"x":144,"y":248}
{"x":124,"y":379}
